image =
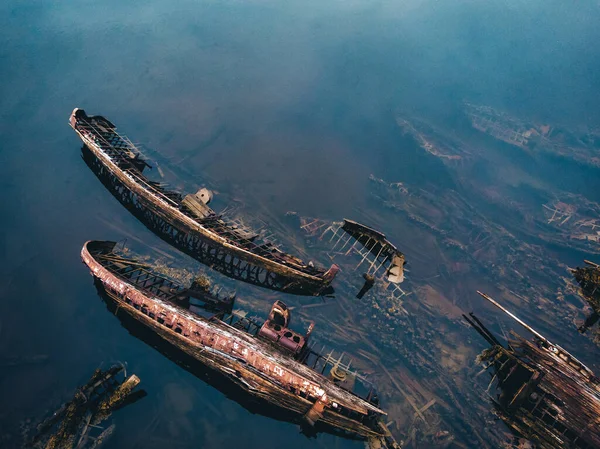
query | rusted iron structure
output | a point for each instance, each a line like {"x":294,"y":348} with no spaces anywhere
{"x":187,"y":222}
{"x":544,"y":393}
{"x":267,"y":360}
{"x":76,"y":424}
{"x":589,"y":280}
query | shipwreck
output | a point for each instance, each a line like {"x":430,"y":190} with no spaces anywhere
{"x":355,"y":246}
{"x":348,"y":237}
{"x":588,"y":278}
{"x":543,"y":392}
{"x":268,"y":361}
{"x":79,"y":423}
{"x":187,"y":222}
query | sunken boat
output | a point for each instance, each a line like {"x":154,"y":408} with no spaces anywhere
{"x":187,"y":222}
{"x":543,"y":392}
{"x":268,"y":360}
{"x":78,"y":423}
{"x":346,"y":241}
{"x":588,"y":278}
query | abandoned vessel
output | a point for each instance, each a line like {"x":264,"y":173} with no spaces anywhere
{"x":78,"y":423}
{"x":588,"y":278}
{"x":544,"y":393}
{"x":267,"y":360}
{"x":187,"y":222}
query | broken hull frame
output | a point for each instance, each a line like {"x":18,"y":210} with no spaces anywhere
{"x":251,"y":364}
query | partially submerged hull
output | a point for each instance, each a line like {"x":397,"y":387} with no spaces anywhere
{"x":188,"y":223}
{"x":542,"y":391}
{"x":255,"y":364}
{"x":78,"y":423}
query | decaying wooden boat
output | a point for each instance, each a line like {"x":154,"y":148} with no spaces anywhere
{"x":544,"y":393}
{"x":588,"y":278}
{"x":187,"y":222}
{"x":379,"y":250}
{"x":355,"y":246}
{"x":267,"y":360}
{"x":79,"y":423}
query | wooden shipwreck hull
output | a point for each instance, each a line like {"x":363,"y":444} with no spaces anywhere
{"x":544,"y":393}
{"x":269,"y":362}
{"x":187,"y":222}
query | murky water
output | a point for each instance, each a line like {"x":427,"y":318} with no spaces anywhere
{"x":276,"y":106}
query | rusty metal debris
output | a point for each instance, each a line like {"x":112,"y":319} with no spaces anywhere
{"x":187,"y":222}
{"x":544,"y":393}
{"x":76,"y":424}
{"x":267,"y":360}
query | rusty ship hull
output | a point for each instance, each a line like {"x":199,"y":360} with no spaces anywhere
{"x":251,"y":363}
{"x":208,"y":238}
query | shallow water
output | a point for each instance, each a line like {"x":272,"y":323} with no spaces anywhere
{"x":278,"y":107}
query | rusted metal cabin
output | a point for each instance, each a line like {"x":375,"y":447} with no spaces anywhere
{"x":543,"y":393}
{"x":187,"y":222}
{"x":268,"y":360}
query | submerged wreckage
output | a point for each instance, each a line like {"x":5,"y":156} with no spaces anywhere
{"x":544,"y":393}
{"x":76,"y":424}
{"x":348,"y":242}
{"x":267,"y":360}
{"x":589,"y":280}
{"x":187,"y":222}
